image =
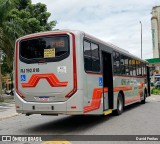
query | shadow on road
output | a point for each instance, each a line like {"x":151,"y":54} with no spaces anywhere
{"x":133,"y":106}
{"x":63,"y":124}
{"x":70,"y":124}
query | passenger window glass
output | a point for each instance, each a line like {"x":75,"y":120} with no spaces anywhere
{"x":137,"y":67}
{"x":91,"y":57}
{"x":88,"y":64}
{"x":118,"y":63}
{"x":122,"y":64}
{"x":140,"y":69}
{"x":95,"y":65}
{"x":94,"y":49}
{"x":87,"y":49}
{"x":114,"y":63}
{"x":130,"y":67}
{"x":133,"y":67}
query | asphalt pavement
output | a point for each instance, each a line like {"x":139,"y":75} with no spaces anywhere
{"x":7,"y":108}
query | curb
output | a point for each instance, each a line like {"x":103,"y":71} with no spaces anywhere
{"x":9,"y":116}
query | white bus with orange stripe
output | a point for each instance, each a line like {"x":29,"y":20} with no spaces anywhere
{"x":70,"y":72}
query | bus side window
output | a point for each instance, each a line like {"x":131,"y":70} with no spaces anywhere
{"x":126,"y":65}
{"x":137,"y":67}
{"x":95,"y":57}
{"x":140,"y":68}
{"x":134,"y":67}
{"x":118,"y":63}
{"x":91,"y":57}
{"x":130,"y":67}
{"x":122,"y":64}
{"x":114,"y":63}
{"x":87,"y":56}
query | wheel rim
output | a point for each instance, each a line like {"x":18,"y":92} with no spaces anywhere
{"x":120,"y":105}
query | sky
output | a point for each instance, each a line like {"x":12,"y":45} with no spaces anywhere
{"x":113,"y":21}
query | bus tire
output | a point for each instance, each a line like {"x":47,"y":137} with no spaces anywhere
{"x":144,"y":100}
{"x":120,"y":105}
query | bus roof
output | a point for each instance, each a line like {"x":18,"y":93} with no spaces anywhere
{"x":114,"y":47}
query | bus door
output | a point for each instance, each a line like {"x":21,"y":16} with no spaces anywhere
{"x":107,"y":80}
{"x":148,"y":81}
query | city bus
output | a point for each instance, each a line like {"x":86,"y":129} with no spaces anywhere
{"x":73,"y":73}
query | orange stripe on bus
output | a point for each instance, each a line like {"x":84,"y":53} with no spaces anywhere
{"x":51,"y":78}
{"x":141,"y":85}
{"x":96,"y":100}
{"x":123,"y":88}
{"x":97,"y":95}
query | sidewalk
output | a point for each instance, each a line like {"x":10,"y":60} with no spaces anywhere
{"x":154,"y":98}
{"x":7,"y":108}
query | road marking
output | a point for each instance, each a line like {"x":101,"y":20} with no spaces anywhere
{"x":56,"y":142}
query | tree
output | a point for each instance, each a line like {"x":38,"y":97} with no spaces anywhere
{"x":9,"y":30}
{"x":5,"y":68}
{"x":20,"y":17}
{"x":32,"y":17}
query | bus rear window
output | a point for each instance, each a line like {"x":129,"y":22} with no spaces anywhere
{"x":50,"y":48}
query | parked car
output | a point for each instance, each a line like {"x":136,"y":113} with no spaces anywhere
{"x":157,"y":84}
{"x":8,"y":92}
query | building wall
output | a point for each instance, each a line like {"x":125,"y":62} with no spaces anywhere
{"x":155,"y":22}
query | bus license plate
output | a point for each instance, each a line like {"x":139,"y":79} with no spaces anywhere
{"x":44,"y":99}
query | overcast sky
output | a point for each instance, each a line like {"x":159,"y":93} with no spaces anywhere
{"x":114,"y":21}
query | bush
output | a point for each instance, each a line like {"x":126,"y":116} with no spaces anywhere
{"x":155,"y":91}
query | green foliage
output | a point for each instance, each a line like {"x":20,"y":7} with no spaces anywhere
{"x":9,"y":30}
{"x":5,"y":68}
{"x":22,"y":4}
{"x":32,"y":17}
{"x":155,"y":91}
{"x":18,"y":18}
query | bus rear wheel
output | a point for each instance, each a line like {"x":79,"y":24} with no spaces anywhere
{"x":144,"y":100}
{"x":120,"y":105}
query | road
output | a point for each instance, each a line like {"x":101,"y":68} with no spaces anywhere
{"x":138,"y":119}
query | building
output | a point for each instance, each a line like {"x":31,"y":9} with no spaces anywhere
{"x":155,"y":23}
{"x":155,"y":61}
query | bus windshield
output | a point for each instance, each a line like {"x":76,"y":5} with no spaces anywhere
{"x":51,"y":48}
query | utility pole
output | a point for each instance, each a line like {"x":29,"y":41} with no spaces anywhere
{"x":141,"y":39}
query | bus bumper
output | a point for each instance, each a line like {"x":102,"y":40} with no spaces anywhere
{"x":72,"y":106}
